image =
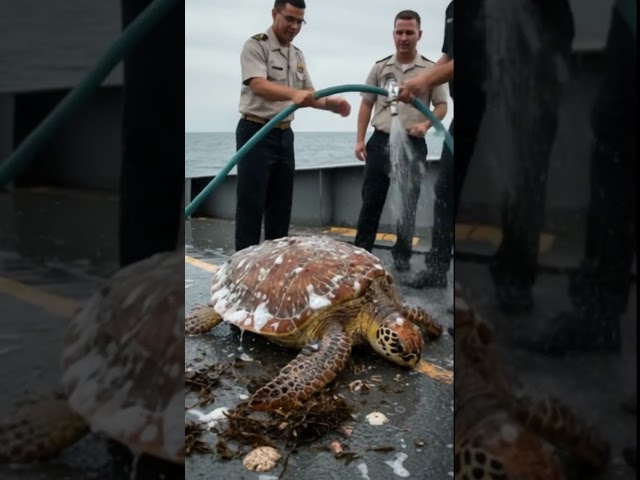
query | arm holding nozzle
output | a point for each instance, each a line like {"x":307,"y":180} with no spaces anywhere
{"x":442,"y":72}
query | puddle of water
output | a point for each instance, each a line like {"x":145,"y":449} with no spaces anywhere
{"x":212,"y":418}
{"x":246,"y":358}
{"x":397,"y":466}
{"x":364,"y":471}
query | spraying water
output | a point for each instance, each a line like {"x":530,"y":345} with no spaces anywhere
{"x":401,"y":156}
{"x":520,"y":64}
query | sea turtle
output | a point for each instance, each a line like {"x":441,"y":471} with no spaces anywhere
{"x":502,"y":432}
{"x":316,"y":294}
{"x":122,"y":371}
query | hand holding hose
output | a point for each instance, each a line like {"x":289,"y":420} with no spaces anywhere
{"x":414,"y":87}
{"x":304,"y":98}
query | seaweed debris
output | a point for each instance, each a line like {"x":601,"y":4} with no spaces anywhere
{"x":203,"y":381}
{"x":323,"y":413}
{"x":193,"y":432}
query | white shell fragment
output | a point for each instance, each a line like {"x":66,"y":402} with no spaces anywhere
{"x":336,"y":448}
{"x":358,"y":385}
{"x":262,"y":459}
{"x":377,"y":418}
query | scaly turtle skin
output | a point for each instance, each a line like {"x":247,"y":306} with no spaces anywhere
{"x":122,"y":364}
{"x":501,"y":433}
{"x":319,"y":295}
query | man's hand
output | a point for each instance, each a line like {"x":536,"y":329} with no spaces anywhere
{"x":414,"y":87}
{"x":419,"y":130}
{"x":303,"y":98}
{"x":417,"y":86}
{"x":339,"y":105}
{"x":361,"y":151}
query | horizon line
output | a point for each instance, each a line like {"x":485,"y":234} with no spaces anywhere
{"x":298,"y":131}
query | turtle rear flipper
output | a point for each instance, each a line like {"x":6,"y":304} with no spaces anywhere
{"x":201,"y":319}
{"x":39,"y":430}
{"x":314,"y":367}
{"x":560,"y":426}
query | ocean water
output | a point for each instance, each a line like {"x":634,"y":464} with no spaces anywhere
{"x":207,"y":152}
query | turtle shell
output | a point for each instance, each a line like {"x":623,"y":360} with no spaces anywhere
{"x":275,"y":287}
{"x":123,"y":358}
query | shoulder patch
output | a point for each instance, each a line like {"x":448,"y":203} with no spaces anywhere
{"x":261,"y":36}
{"x":425,"y":58}
{"x":384,"y":59}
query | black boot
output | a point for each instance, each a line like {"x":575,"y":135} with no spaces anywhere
{"x":512,"y":294}
{"x":577,"y":332}
{"x":401,"y":263}
{"x":434,"y":276}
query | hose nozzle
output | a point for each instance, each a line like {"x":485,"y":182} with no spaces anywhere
{"x":393,"y":89}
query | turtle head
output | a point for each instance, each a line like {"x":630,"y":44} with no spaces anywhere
{"x":397,"y":339}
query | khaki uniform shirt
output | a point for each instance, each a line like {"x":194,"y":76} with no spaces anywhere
{"x":408,"y":114}
{"x":263,"y":56}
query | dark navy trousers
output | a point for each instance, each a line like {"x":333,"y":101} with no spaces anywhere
{"x":152,"y":175}
{"x":264,"y":184}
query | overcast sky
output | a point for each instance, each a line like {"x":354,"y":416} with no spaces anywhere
{"x":341,"y":42}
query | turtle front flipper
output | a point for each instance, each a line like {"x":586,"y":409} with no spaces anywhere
{"x":560,"y":426}
{"x":314,"y":367}
{"x":420,"y":317}
{"x":201,"y":319}
{"x":39,"y":430}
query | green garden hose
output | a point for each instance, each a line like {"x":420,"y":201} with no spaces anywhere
{"x":77,"y":98}
{"x":284,"y":114}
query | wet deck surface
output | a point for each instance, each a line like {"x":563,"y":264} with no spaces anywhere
{"x":419,"y":407}
{"x":66,"y":244}
{"x":594,"y":384}
{"x":36,"y":301}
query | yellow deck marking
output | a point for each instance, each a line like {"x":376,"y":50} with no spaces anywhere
{"x":351,"y":232}
{"x":200,"y":264}
{"x":493,"y":235}
{"x":478,"y":233}
{"x":60,"y":306}
{"x":435,"y":372}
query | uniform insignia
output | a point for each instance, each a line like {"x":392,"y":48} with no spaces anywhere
{"x":300,"y":68}
{"x":261,"y":36}
{"x":384,"y":59}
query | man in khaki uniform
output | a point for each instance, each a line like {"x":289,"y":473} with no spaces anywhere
{"x":405,"y":63}
{"x":274,"y":75}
